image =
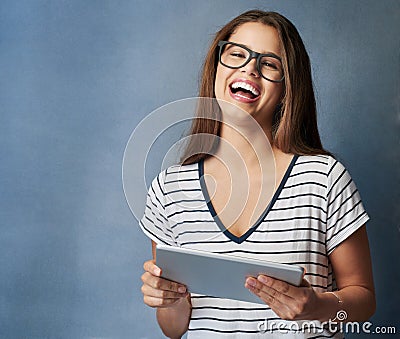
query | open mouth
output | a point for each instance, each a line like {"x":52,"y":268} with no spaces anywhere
{"x":244,"y":91}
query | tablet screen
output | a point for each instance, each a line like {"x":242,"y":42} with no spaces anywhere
{"x":220,"y":275}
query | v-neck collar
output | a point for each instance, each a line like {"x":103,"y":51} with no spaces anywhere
{"x":210,"y":206}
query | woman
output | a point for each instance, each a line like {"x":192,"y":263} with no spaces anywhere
{"x":314,"y":218}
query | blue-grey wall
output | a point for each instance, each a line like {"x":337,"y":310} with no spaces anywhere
{"x":76,"y":77}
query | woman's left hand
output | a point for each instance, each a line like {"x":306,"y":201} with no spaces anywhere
{"x":287,"y":301}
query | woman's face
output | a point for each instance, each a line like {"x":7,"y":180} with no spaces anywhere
{"x":265,"y":95}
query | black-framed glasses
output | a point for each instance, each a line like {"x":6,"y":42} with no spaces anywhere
{"x":233,"y":55}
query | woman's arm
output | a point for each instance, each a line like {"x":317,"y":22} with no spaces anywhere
{"x":171,"y":299}
{"x":351,"y":262}
{"x":174,"y":320}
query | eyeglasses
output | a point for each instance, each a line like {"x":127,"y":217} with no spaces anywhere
{"x":233,"y":55}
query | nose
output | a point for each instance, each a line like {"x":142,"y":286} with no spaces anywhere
{"x":251,"y":68}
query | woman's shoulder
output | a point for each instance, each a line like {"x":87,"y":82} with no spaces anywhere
{"x":177,"y":172}
{"x":333,"y":169}
{"x":325,"y":163}
{"x":322,"y":161}
{"x":173,"y":179}
{"x":180,"y":168}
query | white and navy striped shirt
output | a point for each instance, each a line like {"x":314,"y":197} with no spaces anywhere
{"x":314,"y":209}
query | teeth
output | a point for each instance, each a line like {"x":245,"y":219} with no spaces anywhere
{"x":246,"y":86}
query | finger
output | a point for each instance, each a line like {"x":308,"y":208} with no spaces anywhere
{"x":162,"y":284}
{"x":276,"y":305}
{"x":280,"y":286}
{"x":150,"y":266}
{"x":283,"y":310}
{"x":268,"y":293}
{"x":152,"y":292}
{"x":159,"y":302}
{"x":305,"y":283}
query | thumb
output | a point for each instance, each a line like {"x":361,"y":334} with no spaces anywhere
{"x":305,"y":283}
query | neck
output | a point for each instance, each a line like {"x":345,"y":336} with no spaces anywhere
{"x":242,"y":136}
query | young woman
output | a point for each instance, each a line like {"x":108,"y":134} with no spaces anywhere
{"x":313,"y":217}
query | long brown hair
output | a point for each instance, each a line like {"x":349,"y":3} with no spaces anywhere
{"x":295,"y":119}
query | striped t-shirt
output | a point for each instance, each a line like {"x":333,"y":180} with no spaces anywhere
{"x":314,"y":209}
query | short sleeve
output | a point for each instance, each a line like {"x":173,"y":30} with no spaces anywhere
{"x":154,"y":222}
{"x":345,"y":211}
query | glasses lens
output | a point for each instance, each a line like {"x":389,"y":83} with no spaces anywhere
{"x":271,"y":68}
{"x":234,"y":56}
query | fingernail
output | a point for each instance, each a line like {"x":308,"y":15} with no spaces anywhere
{"x":157,"y":271}
{"x":251,"y":282}
{"x":262,"y":278}
{"x":182,"y":289}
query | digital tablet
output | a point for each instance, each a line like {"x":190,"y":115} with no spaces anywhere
{"x":220,"y":275}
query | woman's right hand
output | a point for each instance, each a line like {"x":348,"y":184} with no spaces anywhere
{"x":160,"y":292}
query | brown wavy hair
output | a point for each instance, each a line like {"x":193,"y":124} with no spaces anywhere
{"x":295,"y":119}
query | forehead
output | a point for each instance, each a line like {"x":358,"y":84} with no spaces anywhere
{"x":258,"y":37}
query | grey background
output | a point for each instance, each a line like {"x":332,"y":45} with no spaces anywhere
{"x":76,"y":77}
